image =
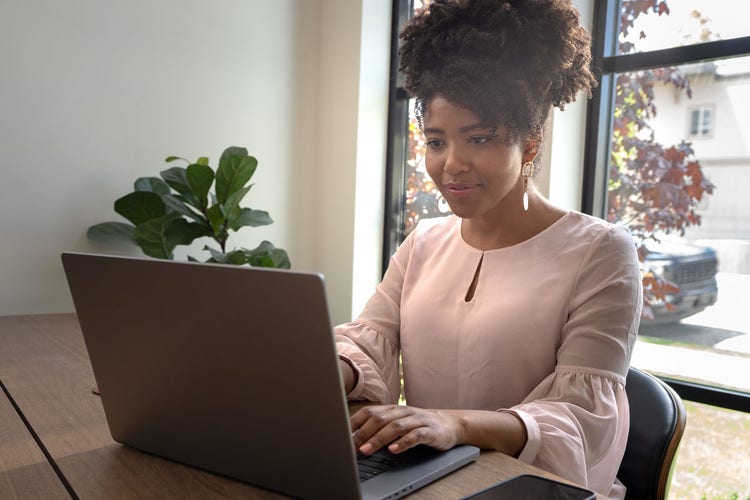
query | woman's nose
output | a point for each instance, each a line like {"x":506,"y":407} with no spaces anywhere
{"x":455,"y":162}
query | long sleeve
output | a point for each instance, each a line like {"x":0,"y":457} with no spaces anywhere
{"x":579,"y":414}
{"x":574,"y":421}
{"x":371,"y":344}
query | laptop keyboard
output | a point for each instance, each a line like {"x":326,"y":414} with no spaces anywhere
{"x":377,"y":463}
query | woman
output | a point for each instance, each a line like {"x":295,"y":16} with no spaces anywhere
{"x":513,"y":319}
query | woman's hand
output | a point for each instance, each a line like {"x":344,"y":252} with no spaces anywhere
{"x":403,"y":427}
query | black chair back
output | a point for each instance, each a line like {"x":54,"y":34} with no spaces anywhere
{"x":657,"y":421}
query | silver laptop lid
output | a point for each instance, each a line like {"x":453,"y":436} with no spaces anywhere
{"x":230,"y":369}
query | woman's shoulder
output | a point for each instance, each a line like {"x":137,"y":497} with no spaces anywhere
{"x":581,"y":236}
{"x":589,"y":227}
{"x":596,"y":240}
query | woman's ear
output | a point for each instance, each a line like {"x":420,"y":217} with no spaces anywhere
{"x":532,"y":145}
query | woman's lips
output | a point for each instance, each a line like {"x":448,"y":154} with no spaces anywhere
{"x":460,"y":189}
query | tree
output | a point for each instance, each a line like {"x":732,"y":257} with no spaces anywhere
{"x":653,"y":189}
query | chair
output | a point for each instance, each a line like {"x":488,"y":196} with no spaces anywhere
{"x":657,"y":421}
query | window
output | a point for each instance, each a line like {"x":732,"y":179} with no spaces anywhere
{"x":679,"y":185}
{"x":677,"y":172}
{"x":701,"y":119}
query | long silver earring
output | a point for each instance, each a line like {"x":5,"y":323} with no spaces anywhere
{"x":526,"y":170}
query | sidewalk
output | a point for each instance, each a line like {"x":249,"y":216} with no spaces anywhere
{"x":712,"y":346}
{"x":727,"y":370}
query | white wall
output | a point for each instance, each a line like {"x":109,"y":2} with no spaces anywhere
{"x":354,"y":52}
{"x":371,"y":151}
{"x":95,"y":94}
{"x":355,"y":39}
{"x":566,"y":143}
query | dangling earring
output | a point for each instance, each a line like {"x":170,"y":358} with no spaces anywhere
{"x":526,"y":170}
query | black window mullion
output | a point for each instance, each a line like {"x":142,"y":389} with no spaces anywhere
{"x":597,"y":149}
{"x":597,"y":133}
{"x":715,"y":396}
{"x":395,"y":177}
{"x":396,"y":149}
{"x":675,"y":56}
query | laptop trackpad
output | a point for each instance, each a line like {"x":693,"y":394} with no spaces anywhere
{"x":408,"y":471}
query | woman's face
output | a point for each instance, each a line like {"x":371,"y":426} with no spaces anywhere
{"x":476,"y":169}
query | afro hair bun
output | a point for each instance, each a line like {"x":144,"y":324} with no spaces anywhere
{"x":508,"y":61}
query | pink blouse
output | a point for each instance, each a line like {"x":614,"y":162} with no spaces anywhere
{"x":547,"y":335}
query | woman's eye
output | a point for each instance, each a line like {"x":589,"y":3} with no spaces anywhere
{"x":433,"y":143}
{"x":479,"y":139}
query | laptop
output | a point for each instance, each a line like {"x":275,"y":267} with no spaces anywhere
{"x":232,"y":370}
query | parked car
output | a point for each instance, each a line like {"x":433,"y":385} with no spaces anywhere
{"x":693,"y":269}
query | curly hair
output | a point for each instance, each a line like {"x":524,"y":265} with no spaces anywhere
{"x":508,"y":61}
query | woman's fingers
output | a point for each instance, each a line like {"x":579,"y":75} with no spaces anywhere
{"x":420,"y":435}
{"x":373,"y":425}
{"x":367,"y":413}
{"x":399,"y":428}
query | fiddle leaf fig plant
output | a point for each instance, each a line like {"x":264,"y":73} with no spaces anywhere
{"x":179,"y":207}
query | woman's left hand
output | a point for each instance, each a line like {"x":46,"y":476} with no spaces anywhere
{"x":403,"y":427}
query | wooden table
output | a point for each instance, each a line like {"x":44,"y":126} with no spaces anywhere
{"x":55,"y":443}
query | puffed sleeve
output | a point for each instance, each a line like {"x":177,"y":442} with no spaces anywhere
{"x":370,"y":344}
{"x":577,"y":418}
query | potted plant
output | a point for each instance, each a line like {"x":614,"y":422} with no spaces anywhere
{"x":179,"y":207}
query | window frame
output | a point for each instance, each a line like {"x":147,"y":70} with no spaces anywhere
{"x":701,"y":110}
{"x":396,"y":150}
{"x":597,"y":143}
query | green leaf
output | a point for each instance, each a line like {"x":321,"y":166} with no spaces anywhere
{"x":151,"y":237}
{"x":203,"y":160}
{"x":233,"y":151}
{"x":216,"y":218}
{"x":153,"y":184}
{"x":181,"y":232}
{"x":236,"y":257}
{"x":199,"y":178}
{"x":235,"y":169}
{"x":266,"y":255}
{"x":140,"y":206}
{"x":170,"y":159}
{"x":176,"y":177}
{"x":174,"y":203}
{"x":232,"y":206}
{"x":216,"y":256}
{"x":280,"y":258}
{"x":249,"y":217}
{"x":111,"y":231}
{"x":159,"y":237}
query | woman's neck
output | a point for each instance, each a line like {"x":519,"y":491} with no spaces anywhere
{"x":508,"y":227}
